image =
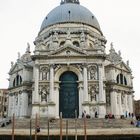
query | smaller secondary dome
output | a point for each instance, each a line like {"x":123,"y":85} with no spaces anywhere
{"x":70,"y":13}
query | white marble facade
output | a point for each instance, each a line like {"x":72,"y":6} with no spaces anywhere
{"x":104,"y":80}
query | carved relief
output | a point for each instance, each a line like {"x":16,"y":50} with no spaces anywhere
{"x":97,"y":43}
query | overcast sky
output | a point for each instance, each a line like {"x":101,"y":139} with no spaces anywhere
{"x":20,"y":21}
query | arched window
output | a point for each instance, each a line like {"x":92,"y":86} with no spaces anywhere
{"x":118,"y":77}
{"x":121,"y":79}
{"x":125,"y":81}
{"x":17,"y":81}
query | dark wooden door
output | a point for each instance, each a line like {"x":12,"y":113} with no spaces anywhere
{"x":68,"y":98}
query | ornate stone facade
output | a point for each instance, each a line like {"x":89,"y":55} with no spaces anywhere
{"x":93,"y":81}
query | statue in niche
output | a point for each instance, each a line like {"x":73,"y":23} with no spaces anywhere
{"x":44,"y":75}
{"x":93,"y":93}
{"x":43,"y":95}
{"x":93,"y":71}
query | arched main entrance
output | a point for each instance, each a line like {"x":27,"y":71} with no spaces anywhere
{"x":68,"y":98}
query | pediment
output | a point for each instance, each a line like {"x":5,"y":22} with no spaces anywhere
{"x":16,"y":67}
{"x":68,"y":51}
{"x":123,"y":66}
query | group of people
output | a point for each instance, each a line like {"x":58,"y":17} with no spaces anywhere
{"x":87,"y":115}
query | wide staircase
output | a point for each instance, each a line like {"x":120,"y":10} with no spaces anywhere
{"x":71,"y":123}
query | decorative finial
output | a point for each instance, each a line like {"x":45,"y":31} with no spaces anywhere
{"x":18,"y":55}
{"x":28,"y":48}
{"x":119,"y":52}
{"x":111,"y":44}
{"x":127,"y":62}
{"x":12,"y":63}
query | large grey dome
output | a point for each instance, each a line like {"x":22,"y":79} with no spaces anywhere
{"x":70,"y":12}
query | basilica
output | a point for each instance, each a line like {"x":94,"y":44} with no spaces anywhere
{"x":70,"y":71}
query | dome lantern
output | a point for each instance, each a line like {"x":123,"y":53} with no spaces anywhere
{"x":70,"y":1}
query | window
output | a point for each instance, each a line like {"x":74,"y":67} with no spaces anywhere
{"x":76,"y":43}
{"x":121,"y":79}
{"x":17,"y":81}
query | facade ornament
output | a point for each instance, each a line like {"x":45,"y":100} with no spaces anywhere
{"x":55,"y":37}
{"x":113,"y":56}
{"x":28,"y":48}
{"x":119,"y":53}
{"x":19,"y":55}
{"x":82,"y":37}
{"x":127,"y":63}
{"x":12,"y":64}
{"x":97,"y":43}
{"x":68,"y":37}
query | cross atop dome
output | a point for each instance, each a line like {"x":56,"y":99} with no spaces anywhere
{"x":70,"y":1}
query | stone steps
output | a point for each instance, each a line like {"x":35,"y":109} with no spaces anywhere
{"x":90,"y":123}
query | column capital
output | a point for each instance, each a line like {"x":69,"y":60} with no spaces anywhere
{"x":84,"y":65}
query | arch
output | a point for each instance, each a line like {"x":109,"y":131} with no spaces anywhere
{"x":68,"y":94}
{"x":68,"y":68}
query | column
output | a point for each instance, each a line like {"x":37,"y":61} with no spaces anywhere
{"x":120,"y":104}
{"x":51,"y":83}
{"x":130,"y":100}
{"x":102,"y":98}
{"x":101,"y":86}
{"x":10,"y":105}
{"x":85,"y":84}
{"x":57,"y":99}
{"x":85,"y":90}
{"x":36,"y":77}
{"x":51,"y":103}
{"x":35,"y":99}
{"x":113,"y":95}
{"x":126,"y":104}
{"x":80,"y":100}
{"x":24,"y":104}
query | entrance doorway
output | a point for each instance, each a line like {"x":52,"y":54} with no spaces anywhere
{"x":68,"y":95}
